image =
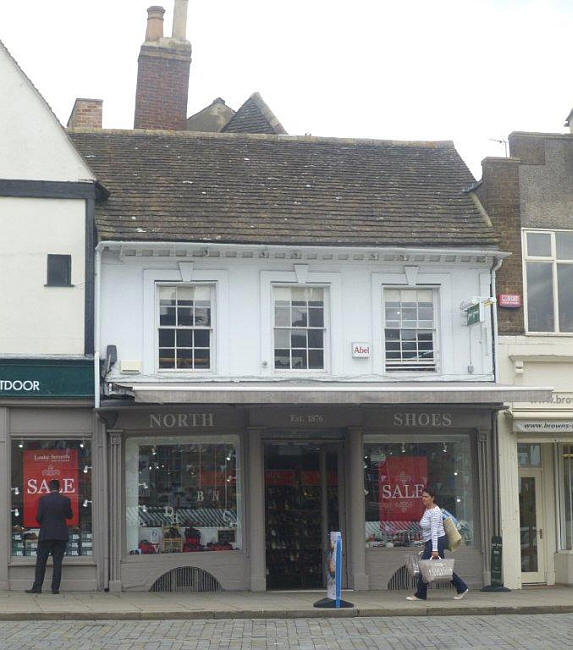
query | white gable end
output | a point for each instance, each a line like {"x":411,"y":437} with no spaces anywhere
{"x":33,"y":144}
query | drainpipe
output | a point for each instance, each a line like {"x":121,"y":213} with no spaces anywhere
{"x":97,"y":302}
{"x":495,"y":415}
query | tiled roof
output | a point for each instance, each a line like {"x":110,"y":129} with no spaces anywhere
{"x":180,"y":186}
{"x":254,"y":116}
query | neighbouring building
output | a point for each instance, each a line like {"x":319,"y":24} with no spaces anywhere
{"x":47,"y":422}
{"x":529,"y":198}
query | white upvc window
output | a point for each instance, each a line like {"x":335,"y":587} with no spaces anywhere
{"x":185,"y":327}
{"x":410,"y":340}
{"x":299,"y":328}
{"x":548,"y":281}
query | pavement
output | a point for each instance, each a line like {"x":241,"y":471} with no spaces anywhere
{"x":18,"y":606}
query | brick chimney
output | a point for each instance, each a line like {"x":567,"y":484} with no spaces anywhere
{"x":163,"y":72}
{"x":86,"y":114}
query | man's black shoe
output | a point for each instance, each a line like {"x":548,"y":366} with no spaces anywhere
{"x":55,"y":591}
{"x":33,"y":591}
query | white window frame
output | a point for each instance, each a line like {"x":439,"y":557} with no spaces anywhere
{"x":440,"y":283}
{"x":403,"y":369}
{"x":537,"y":258}
{"x":333,"y":314}
{"x":219,"y":314}
{"x":212,"y":328}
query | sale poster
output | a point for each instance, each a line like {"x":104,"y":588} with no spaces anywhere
{"x":40,"y":467}
{"x":401,"y":481}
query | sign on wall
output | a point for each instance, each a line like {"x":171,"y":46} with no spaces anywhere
{"x":401,"y":481}
{"x":361,"y":350}
{"x":40,"y":467}
{"x":47,"y":379}
{"x":509,"y":300}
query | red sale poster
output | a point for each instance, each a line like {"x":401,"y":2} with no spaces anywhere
{"x":40,"y":467}
{"x":401,"y":480}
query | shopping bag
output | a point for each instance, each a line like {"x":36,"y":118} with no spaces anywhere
{"x":452,"y":533}
{"x":436,"y":570}
{"x":412,"y":564}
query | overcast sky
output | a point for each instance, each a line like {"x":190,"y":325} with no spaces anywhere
{"x":467,"y":70}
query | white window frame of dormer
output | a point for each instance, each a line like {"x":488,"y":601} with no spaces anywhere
{"x":440,"y":284}
{"x":333,"y":319}
{"x":218,"y":280}
{"x":548,"y":259}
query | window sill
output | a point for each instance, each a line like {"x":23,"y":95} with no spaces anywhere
{"x":59,"y":286}
{"x":29,"y":560}
{"x":550,"y":334}
{"x":144,"y":557}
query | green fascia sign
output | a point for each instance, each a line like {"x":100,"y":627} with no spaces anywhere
{"x":46,"y":378}
{"x":473,"y":314}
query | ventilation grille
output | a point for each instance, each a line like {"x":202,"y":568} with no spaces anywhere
{"x":186,"y":578}
{"x":403,"y":580}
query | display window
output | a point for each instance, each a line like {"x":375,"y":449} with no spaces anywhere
{"x":182,"y":496}
{"x":395,"y":474}
{"x":34,"y":464}
{"x":566,"y":500}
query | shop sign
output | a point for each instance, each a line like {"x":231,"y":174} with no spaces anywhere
{"x":401,"y":481}
{"x":334,"y":577}
{"x":509,"y":300}
{"x":40,"y":467}
{"x":46,"y":379}
{"x":181,"y":420}
{"x":543,"y":426}
{"x":422,"y":419}
{"x":361,"y":350}
{"x":473,"y":314}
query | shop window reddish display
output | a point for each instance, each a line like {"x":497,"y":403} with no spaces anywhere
{"x":395,"y":474}
{"x":33,"y":464}
{"x":182,"y":497}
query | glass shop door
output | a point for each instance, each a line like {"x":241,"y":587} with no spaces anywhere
{"x":531,"y":520}
{"x":301,"y":507}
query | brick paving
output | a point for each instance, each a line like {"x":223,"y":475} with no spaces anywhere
{"x":532,"y":632}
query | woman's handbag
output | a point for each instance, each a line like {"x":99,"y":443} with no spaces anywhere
{"x":452,"y":533}
{"x":436,"y":570}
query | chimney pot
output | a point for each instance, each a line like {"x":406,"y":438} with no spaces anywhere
{"x":180,"y":20}
{"x":154,"y":23}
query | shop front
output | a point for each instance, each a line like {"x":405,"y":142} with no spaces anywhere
{"x":243,"y":496}
{"x":48,"y":430}
{"x":537,"y":491}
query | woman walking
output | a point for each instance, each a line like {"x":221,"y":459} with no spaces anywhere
{"x":435,"y":541}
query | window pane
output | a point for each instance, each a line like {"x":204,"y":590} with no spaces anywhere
{"x":565,"y":292}
{"x":166,"y":315}
{"x":540,"y":297}
{"x":184,"y":359}
{"x":166,"y":338}
{"x":299,"y":359}
{"x":538,"y":244}
{"x":282,"y":359}
{"x":185,"y":316}
{"x":316,"y":359}
{"x":181,"y":497}
{"x":315,"y":339}
{"x":282,"y":316}
{"x":298,"y":339}
{"x":202,"y":293}
{"x":167,"y":295}
{"x":59,"y":270}
{"x":167,"y":358}
{"x":202,"y":358}
{"x":394,"y":476}
{"x":282,"y":338}
{"x":202,"y":314}
{"x":202,"y":338}
{"x":299,"y":316}
{"x":184,"y":338}
{"x":564,"y":245}
{"x":316,"y":317}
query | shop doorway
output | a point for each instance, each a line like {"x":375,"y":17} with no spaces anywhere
{"x":531,"y":518}
{"x":302,"y":505}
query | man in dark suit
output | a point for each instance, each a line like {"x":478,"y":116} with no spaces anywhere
{"x":53,"y":510}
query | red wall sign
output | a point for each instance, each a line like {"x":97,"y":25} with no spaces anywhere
{"x":509,"y":300}
{"x":40,"y":467}
{"x":401,"y":480}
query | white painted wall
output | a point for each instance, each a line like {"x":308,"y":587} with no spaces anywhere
{"x":243,"y":314}
{"x":33,"y":145}
{"x":34,"y":319}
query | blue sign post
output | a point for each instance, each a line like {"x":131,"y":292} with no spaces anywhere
{"x":334,"y":575}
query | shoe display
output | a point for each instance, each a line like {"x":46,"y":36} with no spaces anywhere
{"x":460,"y":596}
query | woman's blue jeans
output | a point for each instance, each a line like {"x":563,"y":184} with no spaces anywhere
{"x":459,"y":584}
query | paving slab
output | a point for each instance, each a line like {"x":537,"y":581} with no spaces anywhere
{"x":274,"y":605}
